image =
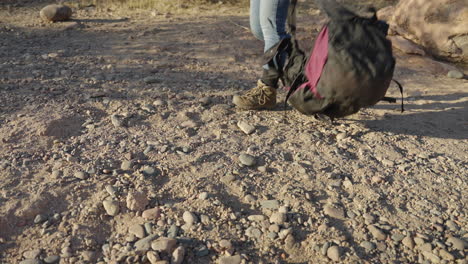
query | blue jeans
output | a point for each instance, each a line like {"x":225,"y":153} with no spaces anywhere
{"x":268,"y":22}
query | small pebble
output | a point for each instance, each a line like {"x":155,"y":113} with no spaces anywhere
{"x":247,"y":160}
{"x":189,"y":218}
{"x":112,"y":207}
{"x":333,"y":253}
{"x":246,"y":127}
{"x":455,"y":74}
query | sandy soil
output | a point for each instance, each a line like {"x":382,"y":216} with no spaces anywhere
{"x":95,"y":110}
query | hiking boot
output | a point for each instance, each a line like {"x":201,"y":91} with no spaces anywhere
{"x":260,"y":97}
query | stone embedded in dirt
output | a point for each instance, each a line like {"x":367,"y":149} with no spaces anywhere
{"x":377,"y":179}
{"x":178,"y":255}
{"x":31,"y":254}
{"x":30,"y":261}
{"x":52,"y":259}
{"x":137,"y":230}
{"x":236,"y":259}
{"x":205,"y":101}
{"x":153,"y":257}
{"x":334,"y":253}
{"x":367,"y":245}
{"x":137,"y":201}
{"x":253,"y":232}
{"x":117,"y":121}
{"x":270,"y":204}
{"x":81,"y":175}
{"x":54,"y":13}
{"x":203,"y":196}
{"x":256,"y":218}
{"x":446,"y":255}
{"x":246,"y":127}
{"x":112,"y":207}
{"x":334,"y":211}
{"x":144,"y":244}
{"x":126,"y":165}
{"x":426,"y":247}
{"x":457,"y":243}
{"x":40,"y":218}
{"x":159,"y":102}
{"x":151,"y":79}
{"x":56,"y":174}
{"x":247,"y":160}
{"x":151,"y":214}
{"x":164,"y":244}
{"x":111,"y":190}
{"x":190,"y":218}
{"x":149,"y":171}
{"x":376,"y":232}
{"x":88,"y":256}
{"x":455,"y":74}
{"x":419,"y":241}
{"x":431,"y":257}
{"x":341,"y":136}
{"x":225,"y":244}
{"x":278,"y":218}
{"x":173,"y":231}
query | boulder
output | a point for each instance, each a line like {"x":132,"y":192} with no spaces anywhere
{"x":440,"y":26}
{"x":54,"y":13}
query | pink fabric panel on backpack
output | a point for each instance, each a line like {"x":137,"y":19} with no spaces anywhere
{"x":316,"y":62}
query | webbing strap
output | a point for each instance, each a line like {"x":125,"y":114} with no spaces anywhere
{"x":401,"y":92}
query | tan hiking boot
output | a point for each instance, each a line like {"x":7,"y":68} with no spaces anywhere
{"x":260,"y":97}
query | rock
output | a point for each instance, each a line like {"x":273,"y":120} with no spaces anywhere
{"x":246,"y":127}
{"x":270,"y":204}
{"x":205,"y":101}
{"x":377,"y":233}
{"x":201,"y":251}
{"x":31,"y":254}
{"x":190,"y":218}
{"x":397,"y":237}
{"x":136,"y":201}
{"x":426,"y":247}
{"x":112,"y":207}
{"x":153,"y":257}
{"x":408,"y":242}
{"x":137,"y":230}
{"x":406,"y":46}
{"x":333,"y":253}
{"x":126,"y":165}
{"x":334,"y":211}
{"x":367,"y":245}
{"x":440,"y":26}
{"x":164,"y":244}
{"x":236,"y":259}
{"x":52,"y":259}
{"x":341,"y":136}
{"x":457,"y":243}
{"x":178,"y":255}
{"x":446,"y":255}
{"x":30,"y":261}
{"x":151,"y":214}
{"x":144,"y":244}
{"x":256,"y":218}
{"x":88,"y":256}
{"x":278,"y":218}
{"x":116,"y":121}
{"x":377,"y":179}
{"x":253,"y":232}
{"x":203,"y":196}
{"x":385,"y":13}
{"x":172,"y":231}
{"x":151,"y":79}
{"x":111,"y":190}
{"x":81,"y":175}
{"x":54,"y":13}
{"x":225,"y":244}
{"x":431,"y":257}
{"x":149,"y":171}
{"x":247,"y":160}
{"x":419,"y":241}
{"x":40,"y":218}
{"x":455,"y":74}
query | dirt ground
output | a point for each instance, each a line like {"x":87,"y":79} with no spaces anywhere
{"x":133,"y":111}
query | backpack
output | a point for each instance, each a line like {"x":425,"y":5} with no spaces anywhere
{"x":350,"y":66}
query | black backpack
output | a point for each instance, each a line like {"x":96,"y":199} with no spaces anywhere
{"x":350,"y":67}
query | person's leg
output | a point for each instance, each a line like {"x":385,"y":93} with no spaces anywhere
{"x":271,"y":19}
{"x":273,"y":15}
{"x":255,"y":26}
